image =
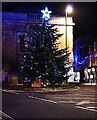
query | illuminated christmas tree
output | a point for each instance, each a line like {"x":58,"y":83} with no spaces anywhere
{"x":41,"y":57}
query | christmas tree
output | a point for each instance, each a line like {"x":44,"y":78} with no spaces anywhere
{"x":41,"y":57}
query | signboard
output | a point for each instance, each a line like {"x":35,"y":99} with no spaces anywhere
{"x":35,"y":85}
{"x":76,"y":76}
{"x":71,"y":74}
{"x":91,"y":76}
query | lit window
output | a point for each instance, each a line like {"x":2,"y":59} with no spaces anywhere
{"x":95,"y":46}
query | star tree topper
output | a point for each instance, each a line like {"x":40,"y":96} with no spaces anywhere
{"x":46,"y":13}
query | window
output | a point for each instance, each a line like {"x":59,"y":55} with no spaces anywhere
{"x":95,"y":46}
{"x":90,"y":60}
{"x":95,"y":59}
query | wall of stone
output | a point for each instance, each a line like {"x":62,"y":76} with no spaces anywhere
{"x":12,"y":24}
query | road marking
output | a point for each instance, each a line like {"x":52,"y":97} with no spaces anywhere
{"x":67,"y":101}
{"x":43,"y":99}
{"x":92,"y":107}
{"x":11,"y":91}
{"x":14,"y":93}
{"x":31,"y":97}
{"x":93,"y":95}
{"x":5,"y":90}
{"x":76,"y":98}
{"x":85,"y":102}
{"x":6,"y":116}
{"x":86,"y":108}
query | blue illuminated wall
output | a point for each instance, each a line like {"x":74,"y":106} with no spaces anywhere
{"x":12,"y":25}
{"x":85,"y":53}
{"x":77,"y":55}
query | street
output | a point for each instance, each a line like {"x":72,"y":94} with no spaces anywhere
{"x":76,"y":103}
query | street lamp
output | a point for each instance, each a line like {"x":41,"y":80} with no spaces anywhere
{"x":68,"y":10}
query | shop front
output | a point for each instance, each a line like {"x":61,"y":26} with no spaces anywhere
{"x":90,"y":75}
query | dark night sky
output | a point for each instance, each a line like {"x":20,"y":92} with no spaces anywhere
{"x":84,"y":13}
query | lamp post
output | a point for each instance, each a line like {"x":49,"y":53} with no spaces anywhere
{"x":68,"y":10}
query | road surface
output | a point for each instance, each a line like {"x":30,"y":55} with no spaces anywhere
{"x":78,"y":103}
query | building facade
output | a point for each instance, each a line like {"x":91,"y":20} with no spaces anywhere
{"x":14,"y":24}
{"x":85,"y":58}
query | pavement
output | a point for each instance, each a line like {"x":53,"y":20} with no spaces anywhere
{"x":40,"y":89}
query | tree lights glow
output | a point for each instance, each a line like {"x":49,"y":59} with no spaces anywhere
{"x":42,"y":57}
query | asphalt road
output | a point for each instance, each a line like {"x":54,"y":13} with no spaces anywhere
{"x":78,"y":103}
